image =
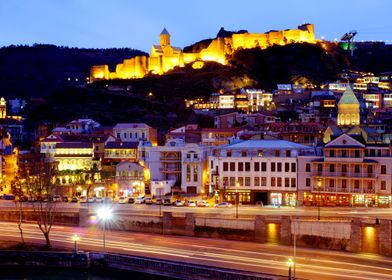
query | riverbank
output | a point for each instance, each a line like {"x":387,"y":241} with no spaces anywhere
{"x":95,"y":261}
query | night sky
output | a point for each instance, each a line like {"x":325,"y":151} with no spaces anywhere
{"x":137,"y":24}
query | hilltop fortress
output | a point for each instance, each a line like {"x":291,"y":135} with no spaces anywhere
{"x":164,"y":57}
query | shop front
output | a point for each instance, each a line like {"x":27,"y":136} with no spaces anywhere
{"x":384,"y":201}
{"x":243,"y":196}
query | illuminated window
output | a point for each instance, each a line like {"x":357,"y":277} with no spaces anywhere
{"x":383,"y":185}
{"x":257,"y":181}
{"x":279,"y":183}
{"x":195,"y":173}
{"x":273,"y":181}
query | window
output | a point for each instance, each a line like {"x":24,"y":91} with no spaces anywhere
{"x":307,"y":168}
{"x":331,"y":183}
{"x":383,"y":169}
{"x":260,"y":153}
{"x":257,"y":166}
{"x":228,"y":153}
{"x":136,"y":135}
{"x":143,"y":135}
{"x":308,"y":182}
{"x":332,"y":153}
{"x":272,"y":166}
{"x":319,"y":167}
{"x":287,"y":182}
{"x":383,"y":185}
{"x":212,"y":164}
{"x":293,"y":167}
{"x":357,"y":153}
{"x":279,"y":184}
{"x":370,"y":185}
{"x":356,"y":184}
{"x":277,"y":153}
{"x":243,"y":153}
{"x":264,"y":181}
{"x":344,"y":153}
{"x":188,"y":173}
{"x":118,"y":134}
{"x":332,"y":168}
{"x":279,"y":167}
{"x":357,"y":168}
{"x":188,"y":156}
{"x":257,"y":181}
{"x":286,"y":167}
{"x":370,"y":169}
{"x":130,"y":135}
{"x":273,"y":182}
{"x":247,"y":181}
{"x":240,"y":166}
{"x":263,"y":166}
{"x":247,"y":166}
{"x":225,"y":166}
{"x":232,"y":181}
{"x":225,"y":181}
{"x":293,"y":182}
{"x":344,"y":168}
{"x":241,"y":181}
{"x":288,"y":153}
{"x":195,"y":173}
{"x":232,"y":166}
{"x":344,"y":183}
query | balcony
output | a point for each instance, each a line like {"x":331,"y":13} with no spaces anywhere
{"x":344,"y":174}
{"x":192,"y":160}
{"x":343,"y":190}
{"x":130,"y":178}
{"x":170,"y":159}
{"x":170,"y":170}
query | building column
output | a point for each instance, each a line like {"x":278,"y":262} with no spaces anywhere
{"x":260,"y":230}
{"x":285,"y":230}
{"x":385,"y":237}
{"x":355,"y":235}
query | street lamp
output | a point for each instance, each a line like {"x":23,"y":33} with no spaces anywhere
{"x":290,"y":263}
{"x":319,"y":198}
{"x":236,"y":201}
{"x":160,"y":196}
{"x":104,"y":214}
{"x":76,"y":238}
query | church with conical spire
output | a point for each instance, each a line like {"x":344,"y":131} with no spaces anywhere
{"x":348,"y":109}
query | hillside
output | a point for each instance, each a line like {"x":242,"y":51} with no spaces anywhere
{"x":38,"y":70}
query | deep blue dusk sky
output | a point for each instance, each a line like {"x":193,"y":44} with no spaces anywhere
{"x":137,"y":24}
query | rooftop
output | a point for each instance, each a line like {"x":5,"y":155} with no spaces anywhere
{"x":267,"y":144}
{"x":131,"y":125}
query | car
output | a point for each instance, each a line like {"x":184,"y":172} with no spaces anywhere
{"x":9,"y":197}
{"x":122,"y":200}
{"x":203,"y":203}
{"x":107,"y":200}
{"x":99,"y":199}
{"x":223,"y":205}
{"x":56,"y":198}
{"x":148,"y":200}
{"x":259,"y":203}
{"x":32,"y":198}
{"x":178,"y":203}
{"x":91,"y":199}
{"x":83,"y":199}
{"x":191,"y":203}
{"x":159,"y":201}
{"x":74,"y":199}
{"x":65,"y":198}
{"x":140,"y":199}
{"x":167,"y":202}
{"x":131,"y":200}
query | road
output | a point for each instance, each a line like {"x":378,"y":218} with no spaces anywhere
{"x":243,"y":210}
{"x":264,"y":258}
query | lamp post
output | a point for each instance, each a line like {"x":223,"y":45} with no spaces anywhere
{"x":319,"y":198}
{"x":76,"y":238}
{"x":104,"y":214}
{"x":236,"y":201}
{"x":290,"y":263}
{"x":160,"y":196}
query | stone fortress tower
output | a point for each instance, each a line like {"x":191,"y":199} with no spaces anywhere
{"x":164,"y":57}
{"x":348,"y":109}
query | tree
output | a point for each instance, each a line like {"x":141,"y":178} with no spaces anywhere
{"x":40,"y":181}
{"x":17,"y":190}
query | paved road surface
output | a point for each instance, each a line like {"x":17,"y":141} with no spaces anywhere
{"x":311,"y":263}
{"x":362,"y":212}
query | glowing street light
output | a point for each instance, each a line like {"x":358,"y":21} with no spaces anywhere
{"x":76,"y":238}
{"x":290,"y":264}
{"x":104,"y":213}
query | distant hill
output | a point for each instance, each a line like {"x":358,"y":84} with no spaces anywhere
{"x":38,"y":70}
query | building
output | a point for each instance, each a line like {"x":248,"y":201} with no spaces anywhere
{"x":129,"y":178}
{"x":348,"y":109}
{"x":258,"y":170}
{"x":218,"y":136}
{"x":349,"y":172}
{"x":135,"y":132}
{"x":299,"y":132}
{"x":164,"y":57}
{"x":175,"y":167}
{"x":117,"y":151}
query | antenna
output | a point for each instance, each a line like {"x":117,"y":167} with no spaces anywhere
{"x":349,"y":38}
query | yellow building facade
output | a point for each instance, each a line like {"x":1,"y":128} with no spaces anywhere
{"x":164,"y":57}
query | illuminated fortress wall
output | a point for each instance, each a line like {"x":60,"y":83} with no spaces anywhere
{"x":164,"y":57}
